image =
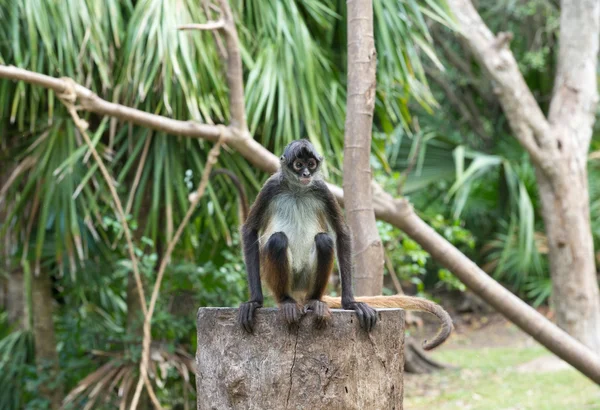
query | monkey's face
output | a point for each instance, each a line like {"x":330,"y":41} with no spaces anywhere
{"x":301,"y":162}
{"x":304,"y":169}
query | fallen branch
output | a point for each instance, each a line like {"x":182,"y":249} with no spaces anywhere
{"x":397,"y":212}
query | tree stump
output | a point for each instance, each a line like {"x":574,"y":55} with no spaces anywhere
{"x":339,"y":367}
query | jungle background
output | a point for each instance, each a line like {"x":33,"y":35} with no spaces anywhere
{"x":440,"y":138}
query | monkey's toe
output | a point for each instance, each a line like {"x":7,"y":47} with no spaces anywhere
{"x":321,"y":312}
{"x":367,"y":316}
{"x":246,"y":315}
{"x":291,"y":311}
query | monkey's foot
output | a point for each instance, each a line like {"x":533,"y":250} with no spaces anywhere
{"x":246,"y":315}
{"x":367,"y":316}
{"x":321,"y":311}
{"x":291,"y":311}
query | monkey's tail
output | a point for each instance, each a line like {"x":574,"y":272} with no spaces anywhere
{"x":407,"y":303}
{"x":238,"y":186}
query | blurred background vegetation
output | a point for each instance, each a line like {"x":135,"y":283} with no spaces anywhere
{"x":440,"y":138}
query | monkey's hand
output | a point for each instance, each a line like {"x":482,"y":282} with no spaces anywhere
{"x":367,"y":316}
{"x":321,"y":311}
{"x":291,"y":311}
{"x":246,"y":315}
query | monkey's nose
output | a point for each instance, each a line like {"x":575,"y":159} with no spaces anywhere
{"x":305,"y":173}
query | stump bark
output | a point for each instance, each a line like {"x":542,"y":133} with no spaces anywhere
{"x":339,"y":367}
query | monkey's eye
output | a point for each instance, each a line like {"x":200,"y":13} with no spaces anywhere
{"x":298,"y":164}
{"x":312,"y":164}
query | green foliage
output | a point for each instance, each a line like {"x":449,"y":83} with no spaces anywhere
{"x":414,"y":265}
{"x":466,"y":164}
{"x":16,"y":364}
{"x":475,"y":189}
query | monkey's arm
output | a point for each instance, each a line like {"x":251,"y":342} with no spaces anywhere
{"x":250,"y":228}
{"x":366,"y":315}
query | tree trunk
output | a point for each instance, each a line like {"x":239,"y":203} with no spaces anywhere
{"x":46,"y":356}
{"x":362,"y":62}
{"x":575,"y":297}
{"x":340,"y":367}
{"x":558,"y":147}
{"x":564,"y":195}
{"x":13,"y":298}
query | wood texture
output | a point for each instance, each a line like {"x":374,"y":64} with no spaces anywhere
{"x":340,"y":367}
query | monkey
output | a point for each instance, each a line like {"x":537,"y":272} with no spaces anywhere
{"x":290,"y":237}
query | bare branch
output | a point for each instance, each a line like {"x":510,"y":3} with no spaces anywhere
{"x":207,"y":6}
{"x":235,"y":77}
{"x":235,"y":74}
{"x":249,"y":148}
{"x":91,"y":102}
{"x":524,"y":115}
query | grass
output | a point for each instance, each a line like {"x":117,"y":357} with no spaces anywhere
{"x":489,"y":378}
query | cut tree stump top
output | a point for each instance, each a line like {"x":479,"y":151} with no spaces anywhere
{"x":339,"y":367}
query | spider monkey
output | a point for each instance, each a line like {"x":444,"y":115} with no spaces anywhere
{"x":290,"y":238}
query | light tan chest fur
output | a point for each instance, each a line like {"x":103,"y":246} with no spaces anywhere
{"x":300,"y":218}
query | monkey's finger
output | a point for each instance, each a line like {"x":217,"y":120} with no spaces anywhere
{"x":361,"y":316}
{"x":367,"y":317}
{"x":246,"y":316}
{"x":371,"y":316}
{"x":249,"y":320}
{"x":291,"y":313}
{"x":373,"y":319}
{"x":244,"y":321}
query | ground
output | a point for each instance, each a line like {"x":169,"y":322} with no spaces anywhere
{"x":499,"y":368}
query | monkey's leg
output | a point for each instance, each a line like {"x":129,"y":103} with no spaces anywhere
{"x":325,"y":256}
{"x":277,"y":271}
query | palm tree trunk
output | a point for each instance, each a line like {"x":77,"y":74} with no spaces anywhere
{"x":12,"y":298}
{"x":362,"y":64}
{"x":46,"y":355}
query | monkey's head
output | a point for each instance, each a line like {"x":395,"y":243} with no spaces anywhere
{"x":300,"y":162}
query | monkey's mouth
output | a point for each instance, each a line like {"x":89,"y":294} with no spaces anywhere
{"x":305,"y":180}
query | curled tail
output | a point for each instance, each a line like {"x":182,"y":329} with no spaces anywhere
{"x":238,"y":186}
{"x":407,"y":303}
